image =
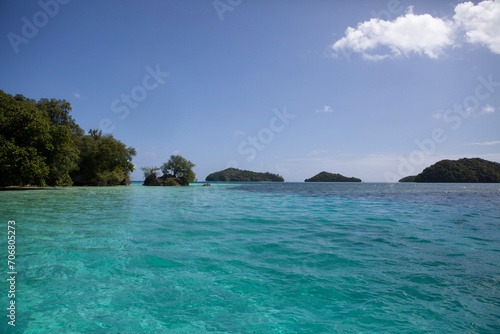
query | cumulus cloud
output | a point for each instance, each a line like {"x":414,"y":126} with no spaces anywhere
{"x":421,"y":34}
{"x":325,"y":109}
{"x":481,"y":23}
{"x":378,"y":39}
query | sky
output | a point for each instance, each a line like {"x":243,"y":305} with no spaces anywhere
{"x":373,"y":89}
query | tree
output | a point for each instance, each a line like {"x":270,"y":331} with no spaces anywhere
{"x":21,"y":166}
{"x":104,"y":161}
{"x":41,"y":144}
{"x":179,"y":168}
{"x":176,"y":172}
{"x":24,"y":136}
{"x":63,"y":157}
{"x":151,"y":176}
{"x":150,"y":171}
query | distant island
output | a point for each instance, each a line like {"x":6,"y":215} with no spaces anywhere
{"x":464,"y":170}
{"x":330,"y":177}
{"x":238,"y":175}
{"x":410,"y":178}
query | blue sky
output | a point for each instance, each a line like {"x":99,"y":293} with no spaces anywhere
{"x":373,"y":89}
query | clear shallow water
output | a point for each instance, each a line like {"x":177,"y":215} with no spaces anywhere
{"x":256,"y":258}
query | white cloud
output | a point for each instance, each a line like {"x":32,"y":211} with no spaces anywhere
{"x":486,"y":143}
{"x":239,"y":133}
{"x":77,"y":95}
{"x":176,"y":152}
{"x":481,"y":23}
{"x":421,"y":34}
{"x":488,"y":109}
{"x":325,"y":109}
{"x":378,"y":39}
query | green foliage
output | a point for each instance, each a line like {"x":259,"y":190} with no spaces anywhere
{"x":410,"y":178}
{"x":104,"y":161}
{"x":329,"y":177}
{"x":464,"y":170}
{"x":176,"y":172}
{"x":150,"y":171}
{"x":171,"y":182}
{"x":179,"y":167}
{"x":151,"y":180}
{"x":41,"y":144}
{"x":20,"y":166}
{"x":24,"y":136}
{"x":63,"y":157}
{"x":238,"y":175}
{"x":151,"y":176}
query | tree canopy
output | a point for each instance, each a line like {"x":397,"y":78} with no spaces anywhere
{"x":179,"y":167}
{"x":104,"y":161}
{"x":178,"y":171}
{"x":41,"y":144}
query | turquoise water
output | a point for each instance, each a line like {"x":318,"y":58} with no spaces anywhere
{"x":255,"y":258}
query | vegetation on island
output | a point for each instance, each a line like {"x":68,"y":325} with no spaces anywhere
{"x":238,"y":175}
{"x":410,"y":178}
{"x":42,"y":145}
{"x":464,"y":170}
{"x":330,"y":177}
{"x":176,"y":172}
{"x":104,"y":161}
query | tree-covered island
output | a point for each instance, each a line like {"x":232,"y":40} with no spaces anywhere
{"x":176,"y":172}
{"x":331,"y":177}
{"x":42,"y":145}
{"x":474,"y":170}
{"x":410,"y":178}
{"x":238,"y":175}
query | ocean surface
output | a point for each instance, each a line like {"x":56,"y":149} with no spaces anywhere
{"x":255,"y":258}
